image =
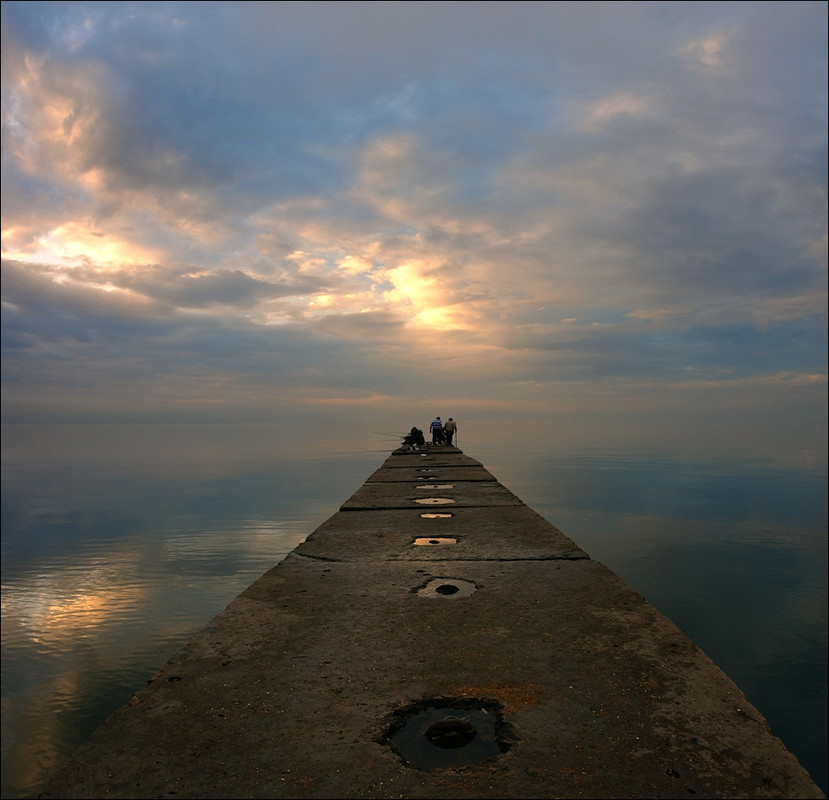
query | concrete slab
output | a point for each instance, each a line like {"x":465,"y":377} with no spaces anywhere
{"x":430,"y":473}
{"x":379,"y":495}
{"x":298,"y":689}
{"x":506,"y":533}
{"x":431,"y":456}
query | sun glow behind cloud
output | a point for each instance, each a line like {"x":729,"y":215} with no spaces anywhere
{"x":73,"y":242}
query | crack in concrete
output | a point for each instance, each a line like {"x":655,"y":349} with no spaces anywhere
{"x":506,"y":560}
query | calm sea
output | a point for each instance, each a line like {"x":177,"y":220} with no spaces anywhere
{"x":120,"y":541}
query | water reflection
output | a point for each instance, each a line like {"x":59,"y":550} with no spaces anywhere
{"x":119,"y":542}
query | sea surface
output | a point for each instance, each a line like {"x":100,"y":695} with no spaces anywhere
{"x":119,"y":542}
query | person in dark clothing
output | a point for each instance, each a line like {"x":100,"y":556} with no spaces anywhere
{"x":414,"y":439}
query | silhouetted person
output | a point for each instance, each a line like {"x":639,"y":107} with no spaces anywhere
{"x":437,"y":431}
{"x":414,"y":439}
{"x":449,"y":428}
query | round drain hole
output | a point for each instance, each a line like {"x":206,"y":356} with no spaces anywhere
{"x":446,"y":733}
{"x":449,"y":588}
{"x":451,"y":732}
{"x":435,"y":515}
{"x":434,"y":501}
{"x":425,"y":540}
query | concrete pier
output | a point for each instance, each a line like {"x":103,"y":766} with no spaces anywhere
{"x":436,"y":638}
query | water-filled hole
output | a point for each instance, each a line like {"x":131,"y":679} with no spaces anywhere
{"x":449,"y":733}
{"x":447,"y":588}
{"x":425,"y":540}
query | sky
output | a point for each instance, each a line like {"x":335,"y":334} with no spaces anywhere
{"x":594,"y":214}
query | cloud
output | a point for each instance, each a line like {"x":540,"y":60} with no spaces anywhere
{"x":600,"y":113}
{"x":356,"y":202}
{"x":710,"y":51}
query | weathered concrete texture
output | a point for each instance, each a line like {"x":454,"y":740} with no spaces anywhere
{"x":503,"y":533}
{"x":449,"y":478}
{"x":431,"y":457}
{"x":295,"y":690}
{"x":429,"y":474}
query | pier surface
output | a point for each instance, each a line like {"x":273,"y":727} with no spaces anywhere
{"x":436,"y":638}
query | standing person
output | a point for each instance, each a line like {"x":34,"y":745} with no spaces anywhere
{"x":437,"y":431}
{"x":449,"y":428}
